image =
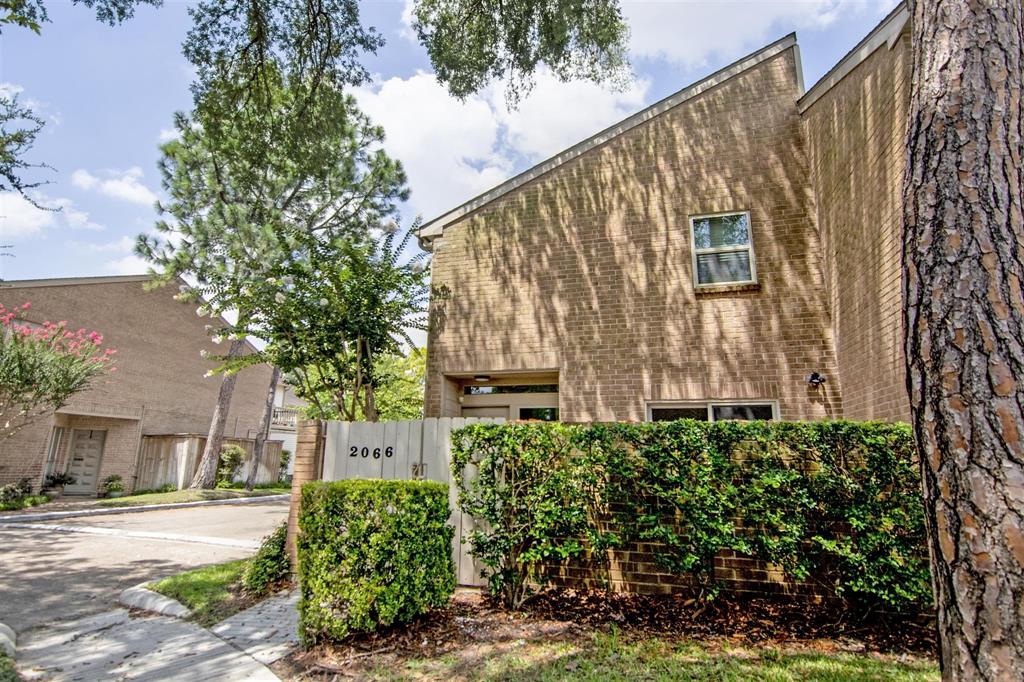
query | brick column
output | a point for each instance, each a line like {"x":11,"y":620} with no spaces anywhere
{"x":308,"y":462}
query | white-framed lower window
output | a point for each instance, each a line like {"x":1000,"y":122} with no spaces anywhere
{"x":713,"y":410}
{"x":723,"y":249}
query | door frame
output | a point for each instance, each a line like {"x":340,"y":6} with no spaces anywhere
{"x":99,"y":461}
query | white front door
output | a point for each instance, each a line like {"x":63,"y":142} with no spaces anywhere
{"x":86,"y":453}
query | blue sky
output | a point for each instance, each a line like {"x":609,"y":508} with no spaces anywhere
{"x":108,"y":95}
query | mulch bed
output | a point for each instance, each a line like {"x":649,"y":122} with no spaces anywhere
{"x":472,"y":619}
{"x":754,"y":620}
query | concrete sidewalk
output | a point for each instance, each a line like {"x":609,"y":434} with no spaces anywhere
{"x":267,"y":631}
{"x":115,"y":646}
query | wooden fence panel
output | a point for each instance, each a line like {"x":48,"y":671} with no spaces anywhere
{"x":404,"y":450}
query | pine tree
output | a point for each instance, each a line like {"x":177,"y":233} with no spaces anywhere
{"x":253,"y":194}
{"x":964,"y":324}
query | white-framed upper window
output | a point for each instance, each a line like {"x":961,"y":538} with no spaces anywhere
{"x":713,"y":410}
{"x":723,"y":249}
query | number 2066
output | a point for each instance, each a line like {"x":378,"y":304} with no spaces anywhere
{"x":356,"y":451}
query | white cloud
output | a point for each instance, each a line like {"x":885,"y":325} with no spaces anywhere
{"x":82,"y":179}
{"x":557,"y":115}
{"x":10,"y":89}
{"x":19,"y":218}
{"x":454,"y":150}
{"x":406,"y":29}
{"x":122,"y":245}
{"x":74,"y":218}
{"x":448,"y":147}
{"x":128,"y":265}
{"x":168,"y":134}
{"x":125,"y":185}
{"x":691,"y":33}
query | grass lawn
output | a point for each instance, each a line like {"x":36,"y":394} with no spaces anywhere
{"x":7,"y":671}
{"x":607,"y":657}
{"x":23,"y":503}
{"x":212,"y":592}
{"x":188,"y":496}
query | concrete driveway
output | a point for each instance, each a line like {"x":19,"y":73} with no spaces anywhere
{"x":50,"y":576}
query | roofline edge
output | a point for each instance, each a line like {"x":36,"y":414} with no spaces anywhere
{"x":886,"y":32}
{"x":435,"y":227}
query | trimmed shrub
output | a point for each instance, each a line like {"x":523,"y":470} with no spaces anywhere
{"x":836,"y":503}
{"x":531,"y":485}
{"x":270,"y":565}
{"x":231,"y":458}
{"x":371,"y":553}
{"x":19,"y":496}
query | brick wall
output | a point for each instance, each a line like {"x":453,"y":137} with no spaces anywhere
{"x":587,"y":270}
{"x":856,"y":133}
{"x":159,"y":378}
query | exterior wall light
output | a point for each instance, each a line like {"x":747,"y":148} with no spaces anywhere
{"x":482,"y":377}
{"x":815,"y":379}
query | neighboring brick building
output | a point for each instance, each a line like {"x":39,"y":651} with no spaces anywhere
{"x":703,"y":257}
{"x":158,"y":388}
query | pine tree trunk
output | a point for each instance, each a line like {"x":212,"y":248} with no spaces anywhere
{"x":206,"y":473}
{"x":964,"y":324}
{"x":264,"y":429}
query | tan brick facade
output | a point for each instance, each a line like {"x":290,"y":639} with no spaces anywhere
{"x":157,"y":388}
{"x":856,"y":132}
{"x":587,"y":270}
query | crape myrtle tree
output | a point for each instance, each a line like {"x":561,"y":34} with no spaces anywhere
{"x":964,"y":323}
{"x":254,"y":196}
{"x":338,"y":315}
{"x":42,"y":365}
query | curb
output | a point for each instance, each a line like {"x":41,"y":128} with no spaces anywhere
{"x":8,"y":640}
{"x":139,"y":597}
{"x":46,"y":516}
{"x":145,"y":535}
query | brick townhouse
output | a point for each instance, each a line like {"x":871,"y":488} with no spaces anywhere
{"x":713,"y":256}
{"x":158,"y":387}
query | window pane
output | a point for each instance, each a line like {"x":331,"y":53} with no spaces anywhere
{"x":744,"y":412}
{"x":668,"y":414}
{"x":716,"y":268}
{"x":472,"y":389}
{"x":544,"y":414}
{"x":724,"y":230}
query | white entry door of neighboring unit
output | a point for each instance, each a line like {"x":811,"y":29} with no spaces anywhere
{"x":86,"y":453}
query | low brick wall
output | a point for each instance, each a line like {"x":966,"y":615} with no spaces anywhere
{"x":634,"y":569}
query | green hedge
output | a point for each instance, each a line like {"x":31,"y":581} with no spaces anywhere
{"x":270,"y":565}
{"x":371,"y":553}
{"x":835,"y":503}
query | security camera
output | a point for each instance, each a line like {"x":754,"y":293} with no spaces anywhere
{"x":816,"y":379}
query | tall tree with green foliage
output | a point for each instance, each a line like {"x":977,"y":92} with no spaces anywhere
{"x":338,"y":315}
{"x":254,"y":196}
{"x":19,"y":127}
{"x":399,"y":383}
{"x":474,"y":42}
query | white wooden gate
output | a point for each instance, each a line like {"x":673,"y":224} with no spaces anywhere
{"x":419,"y":449}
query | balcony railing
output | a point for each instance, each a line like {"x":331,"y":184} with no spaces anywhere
{"x":284,"y":418}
